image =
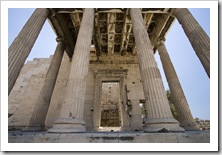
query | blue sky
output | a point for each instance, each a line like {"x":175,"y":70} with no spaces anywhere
{"x":194,"y":80}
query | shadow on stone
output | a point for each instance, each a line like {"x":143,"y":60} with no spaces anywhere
{"x":163,"y":130}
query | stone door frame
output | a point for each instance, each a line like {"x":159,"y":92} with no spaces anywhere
{"x":109,"y":75}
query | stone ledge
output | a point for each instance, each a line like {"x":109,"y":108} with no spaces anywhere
{"x":109,"y":137}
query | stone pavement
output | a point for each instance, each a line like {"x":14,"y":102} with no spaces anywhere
{"x":109,"y":137}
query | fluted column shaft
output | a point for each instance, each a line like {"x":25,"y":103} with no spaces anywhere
{"x":71,"y":114}
{"x":23,"y":43}
{"x":184,"y":114}
{"x":159,"y":115}
{"x":37,"y":121}
{"x":199,"y":40}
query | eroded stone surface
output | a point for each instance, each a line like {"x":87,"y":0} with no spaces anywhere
{"x":21,"y":104}
{"x":113,"y":58}
{"x":107,"y":137}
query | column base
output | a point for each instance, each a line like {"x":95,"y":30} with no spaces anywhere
{"x":162,"y":125}
{"x":95,"y":128}
{"x":64,"y":125}
{"x":125,"y":129}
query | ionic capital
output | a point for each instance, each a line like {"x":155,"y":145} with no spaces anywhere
{"x":159,"y":42}
{"x":61,"y":40}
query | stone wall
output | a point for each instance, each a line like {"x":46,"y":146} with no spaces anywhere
{"x":23,"y":96}
{"x":132,"y":82}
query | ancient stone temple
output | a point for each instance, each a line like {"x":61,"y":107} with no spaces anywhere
{"x":103,"y":76}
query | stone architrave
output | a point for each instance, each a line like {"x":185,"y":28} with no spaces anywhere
{"x":37,"y":121}
{"x":71,"y":114}
{"x":159,"y":116}
{"x":199,"y":40}
{"x":184,"y":114}
{"x":23,"y":43}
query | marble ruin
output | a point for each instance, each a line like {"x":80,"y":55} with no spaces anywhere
{"x":103,"y":73}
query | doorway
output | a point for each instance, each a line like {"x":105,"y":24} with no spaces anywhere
{"x":110,"y":105}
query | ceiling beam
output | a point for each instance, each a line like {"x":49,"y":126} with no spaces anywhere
{"x":147,"y":19}
{"x":59,"y":30}
{"x":161,"y":22}
{"x":111,"y":32}
{"x":126,"y":34}
{"x":97,"y":36}
{"x":67,"y":33}
{"x":112,"y":11}
{"x":115,"y":26}
{"x":76,"y":21}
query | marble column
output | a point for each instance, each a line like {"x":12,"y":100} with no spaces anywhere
{"x":71,"y":114}
{"x":199,"y":40}
{"x":184,"y":114}
{"x":37,"y":121}
{"x":23,"y":43}
{"x":159,"y":116}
